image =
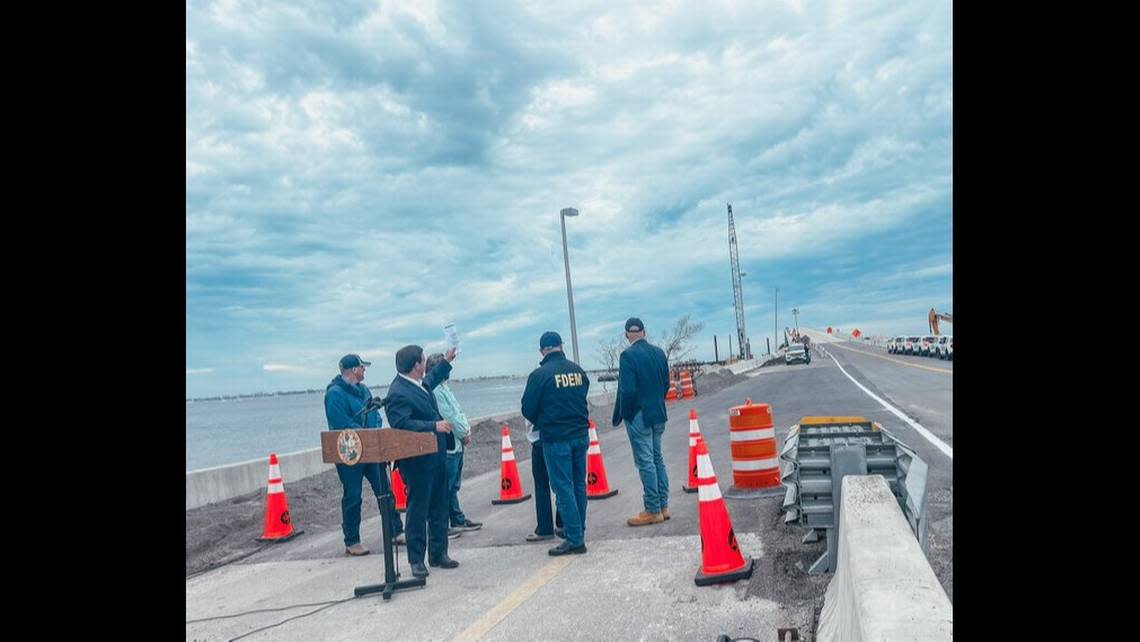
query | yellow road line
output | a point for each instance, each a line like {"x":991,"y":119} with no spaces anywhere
{"x":905,"y":363}
{"x":491,"y":619}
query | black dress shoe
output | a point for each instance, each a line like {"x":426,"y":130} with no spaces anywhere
{"x":566,"y":549}
{"x":444,"y":562}
{"x":419,"y":570}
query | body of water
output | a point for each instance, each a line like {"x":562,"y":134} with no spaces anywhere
{"x":225,"y":432}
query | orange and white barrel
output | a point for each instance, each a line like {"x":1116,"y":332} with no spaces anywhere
{"x":755,"y":457}
{"x":687,"y":391}
{"x":671,"y":391}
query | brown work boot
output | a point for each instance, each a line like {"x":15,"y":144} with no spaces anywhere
{"x":665,"y":513}
{"x":643,"y":518}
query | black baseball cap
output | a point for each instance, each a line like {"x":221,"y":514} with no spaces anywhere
{"x":350,"y":361}
{"x":549,"y":339}
{"x":633,"y":324}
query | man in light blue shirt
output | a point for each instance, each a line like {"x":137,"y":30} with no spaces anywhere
{"x":450,"y":411}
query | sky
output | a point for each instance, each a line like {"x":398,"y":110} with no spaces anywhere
{"x":359,"y":174}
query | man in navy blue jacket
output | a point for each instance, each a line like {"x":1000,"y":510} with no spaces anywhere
{"x":643,"y":376}
{"x":410,"y":405}
{"x":345,"y":397}
{"x":555,"y":402}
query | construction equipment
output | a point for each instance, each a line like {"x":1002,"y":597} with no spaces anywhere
{"x":737,"y":288}
{"x":819,"y":451}
{"x":933,"y":316}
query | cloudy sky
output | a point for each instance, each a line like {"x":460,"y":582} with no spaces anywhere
{"x":358,"y":174}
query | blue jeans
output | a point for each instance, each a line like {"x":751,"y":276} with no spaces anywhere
{"x":454,"y":479}
{"x":566,"y":466}
{"x":352,"y":478}
{"x":646,"y":444}
{"x":542,"y":492}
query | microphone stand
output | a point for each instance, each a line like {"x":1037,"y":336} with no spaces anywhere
{"x":390,"y":584}
{"x":387,"y":507}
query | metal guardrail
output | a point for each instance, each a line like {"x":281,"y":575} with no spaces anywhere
{"x":820,"y":451}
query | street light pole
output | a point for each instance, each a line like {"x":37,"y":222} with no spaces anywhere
{"x":796,"y":314}
{"x":744,"y":344}
{"x":569,"y":211}
{"x":776,"y":319}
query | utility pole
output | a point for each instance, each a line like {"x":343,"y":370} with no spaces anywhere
{"x":569,"y":211}
{"x":737,"y":288}
{"x":776,"y":319}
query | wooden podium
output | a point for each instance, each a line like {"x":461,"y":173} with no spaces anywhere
{"x":382,"y":446}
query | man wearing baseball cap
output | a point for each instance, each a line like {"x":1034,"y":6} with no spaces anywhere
{"x":555,"y":402}
{"x":643,"y":376}
{"x":345,"y":396}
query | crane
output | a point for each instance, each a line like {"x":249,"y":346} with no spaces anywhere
{"x":933,"y":317}
{"x":737,"y":288}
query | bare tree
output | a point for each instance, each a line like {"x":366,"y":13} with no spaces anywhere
{"x":676,"y":342}
{"x":609,"y":352}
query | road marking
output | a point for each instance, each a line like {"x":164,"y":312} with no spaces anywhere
{"x":491,"y":619}
{"x":938,"y":443}
{"x":905,"y":363}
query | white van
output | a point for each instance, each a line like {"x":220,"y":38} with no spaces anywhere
{"x":944,"y":349}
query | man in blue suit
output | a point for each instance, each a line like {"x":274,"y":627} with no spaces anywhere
{"x":643,"y":377}
{"x":410,"y":405}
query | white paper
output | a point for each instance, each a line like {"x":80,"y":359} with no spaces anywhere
{"x":451,"y":337}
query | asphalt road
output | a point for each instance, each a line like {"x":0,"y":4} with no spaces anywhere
{"x":634,"y":583}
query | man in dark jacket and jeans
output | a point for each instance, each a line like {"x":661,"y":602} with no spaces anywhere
{"x":643,"y":377}
{"x":345,"y":396}
{"x":555,"y":402}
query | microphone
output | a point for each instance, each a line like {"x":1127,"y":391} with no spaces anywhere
{"x":375,"y":403}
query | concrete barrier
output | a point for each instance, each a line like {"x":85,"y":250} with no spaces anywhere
{"x":884,"y":589}
{"x":212,"y":485}
{"x":743,"y":366}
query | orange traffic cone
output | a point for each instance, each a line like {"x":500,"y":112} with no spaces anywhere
{"x":597,"y":486}
{"x":721,"y":560}
{"x":511,"y":486}
{"x":399,"y":491}
{"x":694,"y":435}
{"x":278,"y":525}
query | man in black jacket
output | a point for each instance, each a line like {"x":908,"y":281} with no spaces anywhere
{"x":643,"y":377}
{"x":411,"y":406}
{"x":555,"y":402}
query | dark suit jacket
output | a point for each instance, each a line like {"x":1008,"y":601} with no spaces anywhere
{"x":410,"y":407}
{"x":642,"y":380}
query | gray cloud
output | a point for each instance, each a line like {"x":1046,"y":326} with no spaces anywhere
{"x":357,"y":173}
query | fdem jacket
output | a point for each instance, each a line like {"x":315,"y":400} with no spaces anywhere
{"x":555,"y":399}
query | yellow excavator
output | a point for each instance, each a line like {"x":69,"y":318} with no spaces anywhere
{"x":933,"y":318}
